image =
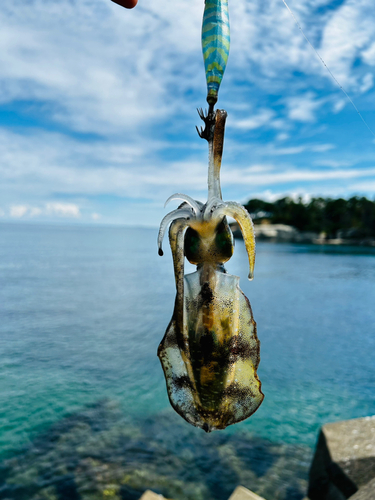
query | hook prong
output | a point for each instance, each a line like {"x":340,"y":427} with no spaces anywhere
{"x":209,"y":118}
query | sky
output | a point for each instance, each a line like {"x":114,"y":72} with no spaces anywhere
{"x":98,"y":106}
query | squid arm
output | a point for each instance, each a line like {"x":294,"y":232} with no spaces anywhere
{"x":195,"y":205}
{"x":176,"y":240}
{"x":179,"y":213}
{"x":241,"y":215}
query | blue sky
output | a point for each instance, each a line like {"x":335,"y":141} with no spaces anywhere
{"x":98,"y":106}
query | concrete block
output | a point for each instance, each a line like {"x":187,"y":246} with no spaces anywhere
{"x":242,"y":493}
{"x":351,"y":445}
{"x":344,"y":459}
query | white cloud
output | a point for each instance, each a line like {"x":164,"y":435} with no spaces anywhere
{"x":367,"y":83}
{"x":51,"y":163}
{"x":274,"y":150}
{"x":303,"y":108}
{"x":98,"y":68}
{"x":42,"y":163}
{"x":69,"y":210}
{"x":292,"y":175}
{"x":275,"y":45}
{"x":267,"y":195}
{"x":95,"y":66}
{"x":339,"y":105}
{"x":270,"y":36}
{"x":34,"y":211}
{"x":369,"y":55}
{"x":262,"y":118}
{"x":18,"y":211}
{"x":322,"y":148}
{"x":283,"y":136}
{"x":333,"y":163}
{"x":62,"y":209}
{"x":347,"y":36}
{"x":364,"y":187}
{"x":291,"y":150}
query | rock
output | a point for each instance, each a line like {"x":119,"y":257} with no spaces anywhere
{"x":241,"y":493}
{"x":344,"y":459}
{"x":150,"y":495}
{"x":367,"y":492}
{"x":352,"y":447}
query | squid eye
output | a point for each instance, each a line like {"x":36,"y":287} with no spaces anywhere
{"x":191,"y":246}
{"x":224,"y":241}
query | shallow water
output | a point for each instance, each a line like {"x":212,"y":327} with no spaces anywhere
{"x":83,"y":310}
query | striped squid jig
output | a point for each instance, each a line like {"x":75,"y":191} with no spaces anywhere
{"x":210,"y":351}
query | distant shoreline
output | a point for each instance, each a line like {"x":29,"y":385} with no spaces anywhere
{"x":282,"y":233}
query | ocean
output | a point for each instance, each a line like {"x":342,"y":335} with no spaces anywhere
{"x":84,"y":412}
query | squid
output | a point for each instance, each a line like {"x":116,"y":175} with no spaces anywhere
{"x":210,"y":351}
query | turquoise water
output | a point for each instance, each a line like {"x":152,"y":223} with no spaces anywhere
{"x":83,"y":309}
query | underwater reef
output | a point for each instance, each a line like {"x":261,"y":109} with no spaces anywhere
{"x":100,"y":453}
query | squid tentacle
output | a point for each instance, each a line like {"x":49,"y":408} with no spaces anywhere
{"x":176,"y":241}
{"x":195,"y":205}
{"x":241,"y":215}
{"x":211,"y":206}
{"x":179,"y":213}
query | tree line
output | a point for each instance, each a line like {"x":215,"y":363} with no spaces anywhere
{"x":352,"y":218}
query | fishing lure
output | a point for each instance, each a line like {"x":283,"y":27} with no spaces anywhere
{"x":215,"y":45}
{"x":210,"y":351}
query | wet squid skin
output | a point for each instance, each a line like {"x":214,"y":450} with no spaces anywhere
{"x":210,"y":351}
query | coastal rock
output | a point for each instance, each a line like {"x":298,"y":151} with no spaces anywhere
{"x":365,"y":493}
{"x":283,"y":233}
{"x":150,"y":495}
{"x":344,"y":459}
{"x":241,"y":493}
{"x":275,"y":232}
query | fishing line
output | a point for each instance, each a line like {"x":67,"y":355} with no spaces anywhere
{"x":327,"y":68}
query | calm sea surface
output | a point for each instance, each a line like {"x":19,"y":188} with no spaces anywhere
{"x":83,"y":309}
